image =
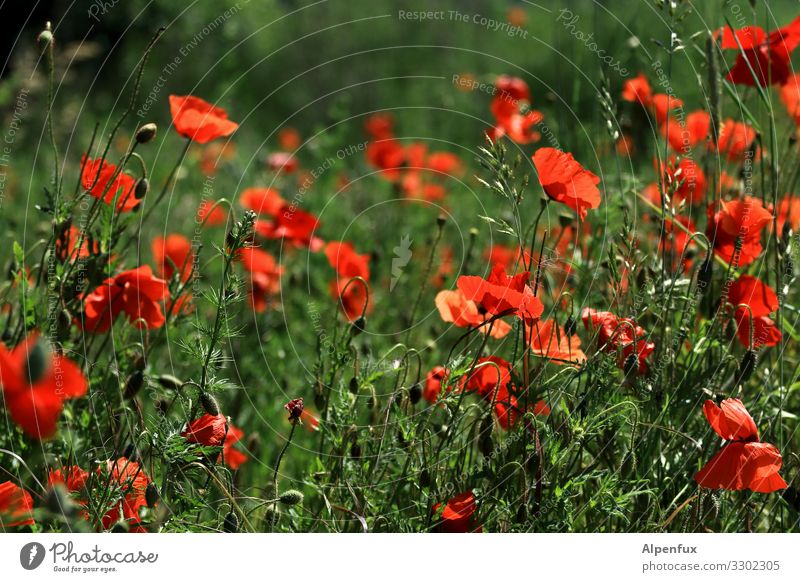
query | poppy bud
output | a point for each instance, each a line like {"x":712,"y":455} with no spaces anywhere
{"x":271,"y":515}
{"x":440,"y":220}
{"x":704,"y":273}
{"x":353,"y":386}
{"x":486,"y":445}
{"x":359,"y":325}
{"x":295,"y":408}
{"x":231,"y":523}
{"x":631,"y":365}
{"x":37,"y":363}
{"x":129,"y":452}
{"x":141,"y":189}
{"x":209,"y":404}
{"x":522,"y":513}
{"x":319,"y":400}
{"x":747,"y":365}
{"x":424,"y":478}
{"x":792,"y":496}
{"x":570,"y":326}
{"x":355,"y":450}
{"x":133,"y":385}
{"x":169,"y":381}
{"x":291,"y":497}
{"x":401,"y":439}
{"x":415,"y":393}
{"x":45,"y":37}
{"x":146,"y":133}
{"x":151,"y":495}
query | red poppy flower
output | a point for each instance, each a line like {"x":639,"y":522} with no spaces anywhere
{"x":735,"y":138}
{"x":264,"y":201}
{"x":686,"y":180}
{"x":348,"y":264}
{"x":207,"y":430}
{"x":289,"y":138}
{"x":198,"y":120}
{"x":128,"y":485}
{"x":455,"y":308}
{"x":173,"y":254}
{"x":35,"y":383}
{"x":458,"y":514}
{"x":73,"y":478}
{"x":233,"y":457}
{"x":743,"y":219}
{"x":282,"y":162}
{"x":293,"y":225}
{"x":491,"y":373}
{"x":501,"y":294}
{"x":65,"y":245}
{"x":762,"y":301}
{"x":615,"y":333}
{"x":210,"y":215}
{"x":768,"y":57}
{"x":743,"y":462}
{"x":379,"y":125}
{"x":638,"y":90}
{"x":509,"y":108}
{"x":388,"y":155}
{"x":789,"y":213}
{"x":548,"y":340}
{"x":433,"y":384}
{"x":97,"y":178}
{"x":16,"y":506}
{"x":565,"y":180}
{"x":684,"y":136}
{"x":790,"y":97}
{"x":508,"y":257}
{"x":265,"y":276}
{"x":445,"y":163}
{"x":663,"y":105}
{"x":295,"y":408}
{"x":136,"y":293}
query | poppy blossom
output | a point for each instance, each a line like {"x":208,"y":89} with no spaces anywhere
{"x":445,"y":163}
{"x":491,"y":373}
{"x":548,"y":340}
{"x":73,"y":478}
{"x":684,"y":136}
{"x":738,"y":219}
{"x":293,"y":225}
{"x":199,"y":120}
{"x":788,"y":213}
{"x":743,"y":462}
{"x":127,"y":484}
{"x":211,"y":215}
{"x":685,"y":179}
{"x":207,"y":430}
{"x":433,"y":383}
{"x":565,"y":180}
{"x":136,"y":293}
{"x":379,"y":125}
{"x":761,"y":300}
{"x":282,"y":162}
{"x":66,"y":243}
{"x":735,"y":138}
{"x":790,"y":97}
{"x":619,"y":333}
{"x":663,"y":105}
{"x":263,"y":201}
{"x":501,"y":294}
{"x":265,"y":276}
{"x":105,"y":181}
{"x":638,"y":90}
{"x":16,"y":506}
{"x":388,"y":156}
{"x":35,"y":383}
{"x":509,"y":107}
{"x":172,"y":254}
{"x":233,"y":457}
{"x":295,"y":408}
{"x":348,"y":264}
{"x":761,"y":58}
{"x":455,"y":308}
{"x":289,"y":138}
{"x":457,"y":515}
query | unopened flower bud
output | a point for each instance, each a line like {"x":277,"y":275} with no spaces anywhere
{"x":151,"y":495}
{"x":133,"y":385}
{"x":231,"y":523}
{"x":141,"y":189}
{"x":415,"y":393}
{"x":291,"y":497}
{"x":209,"y":404}
{"x":146,"y":133}
{"x":747,"y":365}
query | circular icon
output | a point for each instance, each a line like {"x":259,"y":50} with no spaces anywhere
{"x":31,"y":555}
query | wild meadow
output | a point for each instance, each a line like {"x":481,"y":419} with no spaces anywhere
{"x":517,"y":269}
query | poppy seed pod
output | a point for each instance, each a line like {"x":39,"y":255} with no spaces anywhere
{"x":146,"y":133}
{"x":45,"y":37}
{"x":291,"y":497}
{"x":231,"y":523}
{"x":747,"y":365}
{"x":141,"y":189}
{"x":209,"y":404}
